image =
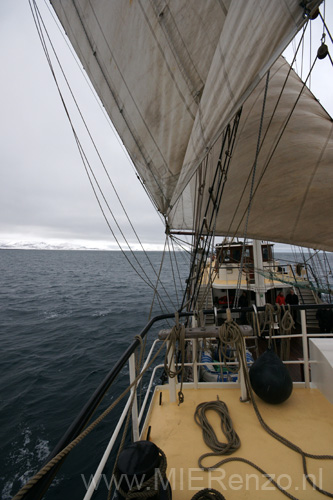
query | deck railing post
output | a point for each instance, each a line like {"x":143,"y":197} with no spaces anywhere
{"x":305,"y":349}
{"x":244,"y":394}
{"x":135,"y":419}
{"x":172,"y":380}
{"x":195,"y":363}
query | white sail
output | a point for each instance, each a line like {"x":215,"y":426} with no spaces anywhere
{"x":171,"y":75}
{"x":293,"y":187}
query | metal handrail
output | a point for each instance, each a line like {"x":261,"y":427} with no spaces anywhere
{"x":39,"y":489}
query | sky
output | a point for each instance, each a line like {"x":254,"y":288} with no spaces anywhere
{"x":45,"y":195}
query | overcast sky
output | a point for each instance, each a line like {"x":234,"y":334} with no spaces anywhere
{"x":44,"y":191}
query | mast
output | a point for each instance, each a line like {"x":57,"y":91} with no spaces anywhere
{"x":258,"y":277}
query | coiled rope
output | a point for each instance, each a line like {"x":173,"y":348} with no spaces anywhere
{"x":268,"y":321}
{"x":208,"y":494}
{"x":230,"y":330}
{"x":228,"y":336}
{"x":283,"y":318}
{"x":286,"y":323}
{"x":209,"y":436}
{"x":177,"y":335}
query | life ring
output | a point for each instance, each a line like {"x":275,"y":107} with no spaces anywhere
{"x":209,"y":374}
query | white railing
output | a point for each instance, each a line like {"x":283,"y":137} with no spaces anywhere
{"x":172,"y":386}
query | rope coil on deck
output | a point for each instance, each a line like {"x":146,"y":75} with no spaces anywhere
{"x":210,"y":438}
{"x":232,"y":332}
{"x":208,"y":494}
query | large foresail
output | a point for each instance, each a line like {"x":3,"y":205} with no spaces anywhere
{"x":171,"y":74}
{"x":292,"y":193}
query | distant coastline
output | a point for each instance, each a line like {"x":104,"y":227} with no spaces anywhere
{"x":54,"y":247}
{"x":102,"y":247}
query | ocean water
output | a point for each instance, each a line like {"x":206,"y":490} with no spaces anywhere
{"x":65,"y":319}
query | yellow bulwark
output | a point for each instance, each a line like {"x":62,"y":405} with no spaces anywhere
{"x":306,"y":419}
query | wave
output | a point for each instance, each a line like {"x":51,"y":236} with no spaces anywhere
{"x":27,"y":455}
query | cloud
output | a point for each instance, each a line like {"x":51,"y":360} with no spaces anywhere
{"x":44,"y":190}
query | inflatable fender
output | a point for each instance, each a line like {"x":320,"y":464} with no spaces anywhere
{"x":270,"y":378}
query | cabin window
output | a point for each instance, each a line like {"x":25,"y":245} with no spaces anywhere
{"x":266,"y":253}
{"x":236,"y":255}
{"x":226,"y":255}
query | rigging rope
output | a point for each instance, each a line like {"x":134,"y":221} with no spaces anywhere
{"x":286,"y":324}
{"x":38,"y":20}
{"x":278,"y":140}
{"x":310,"y":54}
{"x":138,"y":367}
{"x":117,"y":100}
{"x":266,"y":132}
{"x":282,"y":131}
{"x":158,"y":279}
{"x":204,"y":233}
{"x":110,"y":124}
{"x":63,"y":453}
{"x":251,"y":191}
{"x":297,"y":284}
{"x":176,"y":263}
{"x":326,"y":27}
{"x":269,"y":321}
{"x":272,"y":153}
{"x":177,"y":335}
{"x":172,"y":269}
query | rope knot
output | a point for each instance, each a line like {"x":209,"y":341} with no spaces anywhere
{"x":177,"y":334}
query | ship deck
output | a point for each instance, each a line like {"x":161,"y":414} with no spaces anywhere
{"x":306,"y":419}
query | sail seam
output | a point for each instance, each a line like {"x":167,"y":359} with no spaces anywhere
{"x":273,"y":151}
{"x":251,"y":189}
{"x":161,"y":15}
{"x":166,"y":63}
{"x":262,"y":143}
{"x":311,"y":181}
{"x":86,"y":162}
{"x":120,"y":107}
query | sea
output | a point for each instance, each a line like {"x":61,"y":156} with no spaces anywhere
{"x":66,"y":317}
